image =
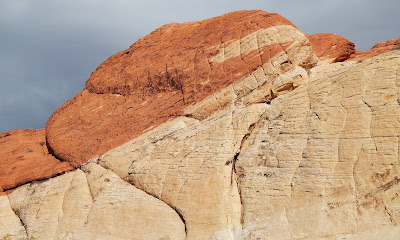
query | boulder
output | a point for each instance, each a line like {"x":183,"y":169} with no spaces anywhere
{"x":331,"y":47}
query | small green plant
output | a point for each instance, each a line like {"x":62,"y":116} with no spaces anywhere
{"x":29,"y":150}
{"x":359,"y":61}
{"x":308,"y":70}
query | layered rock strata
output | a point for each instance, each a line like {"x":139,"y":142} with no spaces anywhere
{"x":320,"y":162}
{"x":169,"y":70}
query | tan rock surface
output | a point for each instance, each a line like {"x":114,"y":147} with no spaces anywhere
{"x":10,"y":224}
{"x":95,"y":204}
{"x":320,"y":162}
{"x":24,"y":158}
{"x":324,"y":161}
{"x":191,"y":168}
{"x":166,"y":71}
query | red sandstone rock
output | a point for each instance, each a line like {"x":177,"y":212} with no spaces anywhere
{"x":154,"y":80}
{"x":24,"y":158}
{"x":145,"y":85}
{"x":331,"y":46}
{"x":377,"y":49}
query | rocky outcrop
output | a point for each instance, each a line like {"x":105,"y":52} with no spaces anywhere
{"x":331,"y":47}
{"x":321,"y":161}
{"x":169,"y":70}
{"x":377,"y":49}
{"x":24,"y":158}
{"x":93,"y":204}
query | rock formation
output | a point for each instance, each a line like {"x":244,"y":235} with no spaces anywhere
{"x":24,"y":158}
{"x":166,"y":71}
{"x":377,"y":49}
{"x":331,"y":47}
{"x":172,"y":139}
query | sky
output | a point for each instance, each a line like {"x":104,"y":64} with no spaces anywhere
{"x":48,"y":48}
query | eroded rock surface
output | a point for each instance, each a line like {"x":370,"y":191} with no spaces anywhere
{"x":331,"y":47}
{"x":168,"y":70}
{"x":377,"y":49}
{"x":93,"y":204}
{"x":320,"y":162}
{"x":323,"y":163}
{"x":24,"y":158}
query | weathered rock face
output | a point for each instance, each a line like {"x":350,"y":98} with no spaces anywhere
{"x":320,"y":162}
{"x":24,"y":158}
{"x":93,"y":204}
{"x":331,"y":47}
{"x":377,"y":49}
{"x":324,"y":160}
{"x":168,"y":70}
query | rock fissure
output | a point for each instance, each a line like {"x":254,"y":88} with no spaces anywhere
{"x":172,"y":207}
{"x":17,"y":213}
{"x":153,"y":195}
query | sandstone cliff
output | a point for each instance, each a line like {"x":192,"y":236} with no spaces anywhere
{"x":171,"y":139}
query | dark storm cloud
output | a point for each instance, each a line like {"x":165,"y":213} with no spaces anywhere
{"x":49,"y":48}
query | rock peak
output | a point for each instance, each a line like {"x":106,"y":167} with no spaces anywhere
{"x":173,"y":67}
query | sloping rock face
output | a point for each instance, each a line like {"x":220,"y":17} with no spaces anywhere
{"x":24,"y":158}
{"x":320,"y":162}
{"x":168,"y":70}
{"x":331,"y":47}
{"x":377,"y":49}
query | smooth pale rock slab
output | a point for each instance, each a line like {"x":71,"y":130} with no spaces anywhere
{"x":192,"y":168}
{"x":324,"y":162}
{"x":121,"y":211}
{"x":40,"y":205}
{"x":95,"y":204}
{"x":10,"y":224}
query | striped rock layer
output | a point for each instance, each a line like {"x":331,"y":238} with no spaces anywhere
{"x":172,"y":139}
{"x":169,"y":70}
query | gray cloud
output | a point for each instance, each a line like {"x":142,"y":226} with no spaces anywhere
{"x":49,"y":48}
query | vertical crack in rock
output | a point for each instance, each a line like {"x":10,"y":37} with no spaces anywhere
{"x":235,"y":179}
{"x":172,"y":207}
{"x":356,"y":162}
{"x":62,"y":205}
{"x":391,"y":218}
{"x":151,"y":194}
{"x":90,"y":192}
{"x":235,"y":175}
{"x":17,"y":213}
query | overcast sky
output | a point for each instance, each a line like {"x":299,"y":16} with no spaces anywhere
{"x":49,"y":48}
